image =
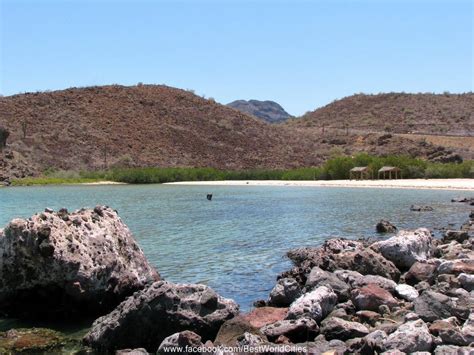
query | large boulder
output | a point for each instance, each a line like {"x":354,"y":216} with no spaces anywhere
{"x":60,"y":263}
{"x":316,"y":304}
{"x":284,"y":293}
{"x":371,"y":297}
{"x":149,"y":316}
{"x":337,"y":328}
{"x":431,"y":305}
{"x":407,"y":247}
{"x":410,"y":337}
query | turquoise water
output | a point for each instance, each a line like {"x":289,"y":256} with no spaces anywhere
{"x":237,"y":242}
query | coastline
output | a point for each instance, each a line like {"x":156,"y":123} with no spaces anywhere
{"x":437,"y":184}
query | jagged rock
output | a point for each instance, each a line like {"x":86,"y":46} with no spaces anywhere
{"x":337,"y":328}
{"x":343,"y":254}
{"x":180,"y":341}
{"x":407,"y":247}
{"x":380,"y":281}
{"x":452,"y":350}
{"x":149,"y":316}
{"x":406,"y":292}
{"x":431,"y":306}
{"x":385,"y":227}
{"x":371,"y":297}
{"x":297,"y":330}
{"x":249,"y":339}
{"x":138,"y":351}
{"x":420,"y":271}
{"x":284,"y":293}
{"x":458,"y":236}
{"x":443,"y":324}
{"x":50,"y":267}
{"x":259,"y":317}
{"x":458,"y":266}
{"x":375,"y":340}
{"x":468,"y":328}
{"x":419,"y":208}
{"x":234,"y":330}
{"x":316,"y":304}
{"x":319,"y":277}
{"x":322,"y":346}
{"x":369,"y":317}
{"x":410,"y":337}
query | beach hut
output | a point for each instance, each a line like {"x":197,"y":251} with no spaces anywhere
{"x":360,"y":173}
{"x":392,"y":172}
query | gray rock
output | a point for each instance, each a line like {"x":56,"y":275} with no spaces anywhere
{"x":297,"y":330}
{"x":371,"y":297}
{"x":420,"y":208}
{"x":385,"y":227}
{"x":337,"y":328}
{"x":318,"y":277}
{"x":459,"y":236}
{"x":406,"y":292}
{"x":466,"y":281}
{"x":184,"y":340}
{"x":249,"y":339}
{"x":284,"y":293}
{"x":410,"y":337}
{"x":380,"y":281}
{"x":149,"y":316}
{"x":468,"y":328}
{"x":315,"y":304}
{"x":456,"y":267}
{"x":453,"y":350}
{"x":407,"y":247}
{"x":431,"y":306}
{"x":375,"y":340}
{"x":50,"y":266}
{"x":139,"y":351}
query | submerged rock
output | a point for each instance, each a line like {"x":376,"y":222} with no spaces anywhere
{"x":35,"y":340}
{"x":149,"y":316}
{"x":385,"y":227}
{"x":87,"y":263}
{"x":421,"y":208}
{"x":407,"y":247}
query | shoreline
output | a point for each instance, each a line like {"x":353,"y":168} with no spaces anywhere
{"x":435,"y":184}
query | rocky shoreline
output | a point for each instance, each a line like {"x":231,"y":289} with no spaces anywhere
{"x":408,"y":293}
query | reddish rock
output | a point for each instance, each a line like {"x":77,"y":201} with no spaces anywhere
{"x":370,"y":297}
{"x":420,"y":272}
{"x":260,"y":317}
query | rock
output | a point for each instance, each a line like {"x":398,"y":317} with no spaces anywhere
{"x":184,"y":340}
{"x":431,"y":306}
{"x":385,"y":227}
{"x":407,"y":247}
{"x":455,"y":250}
{"x":452,"y":350}
{"x":35,"y":340}
{"x":50,"y":268}
{"x":249,"y":339}
{"x":462,"y":199}
{"x":375,"y":341}
{"x":337,"y":328}
{"x":380,"y":281}
{"x":468,"y":328}
{"x":458,"y":236}
{"x":315,"y":304}
{"x":260,"y":317}
{"x":149,"y":316}
{"x":370,"y":297}
{"x":284,"y":293}
{"x":456,"y":267}
{"x":410,"y":337}
{"x":420,"y":271}
{"x":322,"y":346}
{"x":443,"y":324}
{"x":234,"y":330}
{"x":296,"y":330}
{"x":342,"y":254}
{"x":319,"y":277}
{"x":420,"y":208}
{"x":406,"y":292}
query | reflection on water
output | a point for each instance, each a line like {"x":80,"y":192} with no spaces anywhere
{"x":237,"y":242}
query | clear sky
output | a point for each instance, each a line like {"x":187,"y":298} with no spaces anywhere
{"x":302,"y":54}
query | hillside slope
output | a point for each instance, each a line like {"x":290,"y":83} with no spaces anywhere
{"x":444,"y":114}
{"x":150,"y":125}
{"x":268,"y":111}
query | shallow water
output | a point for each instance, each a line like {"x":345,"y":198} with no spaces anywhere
{"x":237,"y":242}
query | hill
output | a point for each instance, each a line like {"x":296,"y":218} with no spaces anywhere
{"x":151,"y":125}
{"x":442,"y":114}
{"x":268,"y":111}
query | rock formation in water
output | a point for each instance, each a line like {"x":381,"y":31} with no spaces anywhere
{"x":60,"y":263}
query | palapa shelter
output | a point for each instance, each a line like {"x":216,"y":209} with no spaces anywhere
{"x":391,"y":171}
{"x":360,"y":173}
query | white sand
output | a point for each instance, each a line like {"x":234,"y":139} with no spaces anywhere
{"x":443,"y":184}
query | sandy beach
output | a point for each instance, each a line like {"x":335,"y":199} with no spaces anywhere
{"x":443,"y":184}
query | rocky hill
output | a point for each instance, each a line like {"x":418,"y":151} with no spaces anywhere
{"x":443,"y":114}
{"x":150,"y":125}
{"x":268,"y":111}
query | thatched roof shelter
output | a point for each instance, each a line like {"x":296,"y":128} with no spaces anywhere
{"x":360,"y":173}
{"x":390,"y":171}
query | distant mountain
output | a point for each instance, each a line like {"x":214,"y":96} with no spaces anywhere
{"x":268,"y":111}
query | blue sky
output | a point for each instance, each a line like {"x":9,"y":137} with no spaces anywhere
{"x":302,"y":54}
